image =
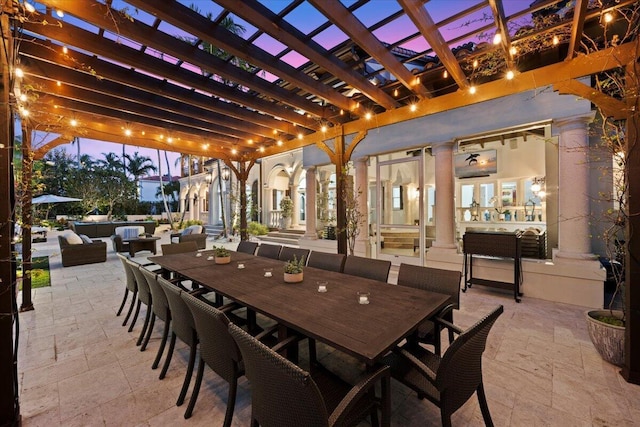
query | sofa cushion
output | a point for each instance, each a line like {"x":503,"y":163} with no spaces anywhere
{"x":129,"y":232}
{"x":72,"y":238}
{"x":86,"y":239}
{"x":192,"y":229}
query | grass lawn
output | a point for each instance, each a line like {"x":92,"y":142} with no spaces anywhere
{"x":40,"y":276}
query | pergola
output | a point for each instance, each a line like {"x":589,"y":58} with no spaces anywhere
{"x":163,"y":75}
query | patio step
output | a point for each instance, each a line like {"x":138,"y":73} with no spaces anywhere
{"x":213,"y":230}
{"x":287,"y":237}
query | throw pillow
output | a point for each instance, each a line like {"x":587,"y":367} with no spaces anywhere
{"x":131,"y":233}
{"x":196,"y":229}
{"x":186,"y":231}
{"x":86,"y":239}
{"x":72,"y":238}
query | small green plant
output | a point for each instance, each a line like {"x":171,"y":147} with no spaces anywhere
{"x":221,"y":251}
{"x":257,"y":229}
{"x":294,"y":266}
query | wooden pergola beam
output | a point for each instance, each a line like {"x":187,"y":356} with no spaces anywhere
{"x":350,"y":25}
{"x":429,"y":30}
{"x":609,"y":106}
{"x":267,"y":21}
{"x":579,"y":14}
{"x":501,"y":24}
{"x":110,"y":19}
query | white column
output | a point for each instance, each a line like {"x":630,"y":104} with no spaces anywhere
{"x":445,"y":193}
{"x":310,"y":204}
{"x":362,"y":194}
{"x":573,"y":193}
{"x":192,"y":206}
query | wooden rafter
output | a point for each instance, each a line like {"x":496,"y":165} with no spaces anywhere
{"x":267,"y":21}
{"x":501,"y":24}
{"x":429,"y":30}
{"x":351,"y":26}
{"x":579,"y":13}
{"x":609,"y":106}
{"x":196,"y":24}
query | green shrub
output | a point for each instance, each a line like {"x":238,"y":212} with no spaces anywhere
{"x":257,"y":229}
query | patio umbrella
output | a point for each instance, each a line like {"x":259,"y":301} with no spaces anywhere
{"x":49,"y":199}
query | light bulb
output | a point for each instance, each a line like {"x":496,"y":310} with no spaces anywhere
{"x":413,"y":107}
{"x":60,"y":13}
{"x":19,"y":73}
{"x":497,"y":38}
{"x":472,"y":90}
{"x":509,"y":75}
{"x":74,"y":122}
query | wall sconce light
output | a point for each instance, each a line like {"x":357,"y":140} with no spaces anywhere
{"x":226,"y":173}
{"x":537,"y":187}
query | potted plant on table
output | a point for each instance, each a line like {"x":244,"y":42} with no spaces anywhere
{"x":222,"y":255}
{"x":293,"y":270}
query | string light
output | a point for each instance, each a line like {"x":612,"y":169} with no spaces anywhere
{"x":513,"y":50}
{"x":29,"y":7}
{"x":23,"y":97}
{"x":395,"y":93}
{"x":169,"y":140}
{"x":417,"y":81}
{"x":262,"y":149}
{"x":275,"y":131}
{"x":368,"y":115}
{"x":445,"y":74}
{"x":472,"y":90}
{"x":234,"y":151}
{"x":475,"y":63}
{"x":341,"y":112}
{"x":19,"y":73}
{"x":60,"y":13}
{"x":556,"y":40}
{"x":161,"y":137}
{"x":497,"y":38}
{"x":58,"y":83}
{"x":73,"y":122}
{"x":510,"y":75}
{"x":323,"y":128}
{"x":280,"y":143}
{"x":299,"y":136}
{"x":127,"y":132}
{"x":65,"y":50}
{"x":608,"y":17}
{"x":413,"y":107}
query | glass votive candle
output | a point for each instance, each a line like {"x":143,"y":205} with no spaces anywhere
{"x":322,"y":285}
{"x":363,"y":297}
{"x":268,"y":272}
{"x":240,"y":265}
{"x":210,"y":258}
{"x":199,"y":254}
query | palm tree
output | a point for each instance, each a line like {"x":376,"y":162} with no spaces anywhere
{"x":139,"y":166}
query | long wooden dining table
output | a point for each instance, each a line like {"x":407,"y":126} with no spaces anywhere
{"x":335,"y":317}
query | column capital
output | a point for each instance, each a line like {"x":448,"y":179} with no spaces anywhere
{"x":362,"y":159}
{"x":442,"y":147}
{"x":310,"y":168}
{"x":574,"y":122}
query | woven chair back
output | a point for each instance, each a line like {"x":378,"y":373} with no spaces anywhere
{"x":179,"y":248}
{"x":144,"y":294}
{"x":130,"y":278}
{"x":247,"y":247}
{"x":269,"y":251}
{"x":287,"y":253}
{"x":431,"y":279}
{"x":370,"y":268}
{"x":160,"y":304}
{"x":182,"y":323}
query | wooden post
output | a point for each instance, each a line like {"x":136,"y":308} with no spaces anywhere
{"x":9,"y":404}
{"x":341,"y":215}
{"x":631,"y":369}
{"x":27,"y":217}
{"x":242,"y":174}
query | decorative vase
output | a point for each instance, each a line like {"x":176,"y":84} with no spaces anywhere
{"x":607,"y":339}
{"x":293,"y":277}
{"x":222,"y":259}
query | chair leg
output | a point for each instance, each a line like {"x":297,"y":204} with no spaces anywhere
{"x":188,"y":374}
{"x":446,"y":419}
{"x":145,"y":325}
{"x":375,"y":422}
{"x":231,"y":403}
{"x":167,"y":361}
{"x":124,"y":300}
{"x":482,"y":399}
{"x":196,"y":390}
{"x":313,"y":355}
{"x":135,"y":315}
{"x":165,"y":335}
{"x":143,"y":347}
{"x":133,"y":303}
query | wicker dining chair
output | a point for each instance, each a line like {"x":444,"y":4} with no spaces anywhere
{"x":160,"y":309}
{"x":326,"y":261}
{"x":247,"y":247}
{"x":183,"y":327}
{"x":287,"y":253}
{"x":283,"y":394}
{"x":144,"y":297}
{"x":370,"y":268}
{"x":269,"y":251}
{"x":130,"y":286}
{"x":435,"y":280}
{"x":217,"y":350}
{"x":179,"y":248}
{"x":450,"y":381}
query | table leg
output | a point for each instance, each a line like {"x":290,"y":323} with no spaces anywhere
{"x":291,"y":352}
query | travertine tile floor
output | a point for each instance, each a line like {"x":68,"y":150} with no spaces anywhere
{"x":79,"y":366}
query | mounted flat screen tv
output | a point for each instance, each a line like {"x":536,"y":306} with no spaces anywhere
{"x":475,"y":164}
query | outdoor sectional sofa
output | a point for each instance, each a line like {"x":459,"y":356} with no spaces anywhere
{"x":108,"y":228}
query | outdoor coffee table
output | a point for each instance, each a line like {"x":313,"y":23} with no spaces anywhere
{"x":138,"y":244}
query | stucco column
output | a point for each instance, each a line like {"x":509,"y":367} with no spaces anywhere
{"x":192,"y":206}
{"x":574,"y":239}
{"x":361,"y":166}
{"x":445,"y":194}
{"x":310,"y":204}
